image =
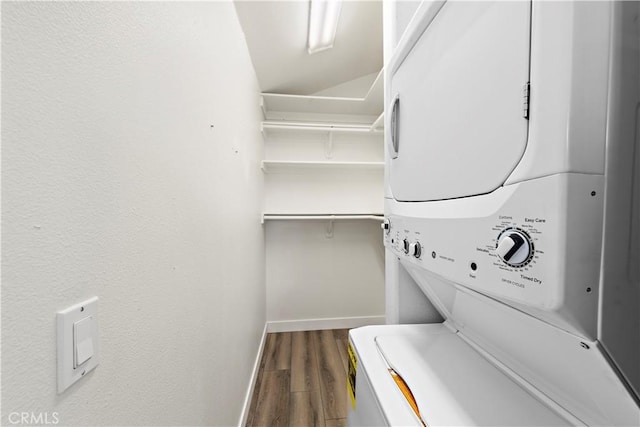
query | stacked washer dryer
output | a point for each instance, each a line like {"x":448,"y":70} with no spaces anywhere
{"x":513,"y":204}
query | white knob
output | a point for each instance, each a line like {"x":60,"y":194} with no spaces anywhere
{"x":514,"y":248}
{"x":386,"y":225}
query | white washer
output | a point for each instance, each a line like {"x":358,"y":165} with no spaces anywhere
{"x":513,"y":204}
{"x":450,"y":381}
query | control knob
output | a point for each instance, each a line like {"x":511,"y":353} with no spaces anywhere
{"x":514,"y":247}
{"x":386,"y":225}
{"x":405,"y":246}
{"x":415,"y":249}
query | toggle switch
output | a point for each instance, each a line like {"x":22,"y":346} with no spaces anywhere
{"x":82,"y":341}
{"x":78,"y":342}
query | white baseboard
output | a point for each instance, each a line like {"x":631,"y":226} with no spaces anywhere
{"x":246,"y":406}
{"x":319,"y":324}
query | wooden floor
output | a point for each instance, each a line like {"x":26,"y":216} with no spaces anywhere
{"x":302,"y":380}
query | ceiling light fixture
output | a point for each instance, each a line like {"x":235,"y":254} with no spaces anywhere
{"x":323,"y":22}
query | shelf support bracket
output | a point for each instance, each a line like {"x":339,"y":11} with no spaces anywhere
{"x":329,"y":234}
{"x":328,"y":148}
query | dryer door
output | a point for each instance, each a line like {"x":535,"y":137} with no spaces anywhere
{"x":457,"y":102}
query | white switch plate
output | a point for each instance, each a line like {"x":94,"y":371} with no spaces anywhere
{"x":87,"y":312}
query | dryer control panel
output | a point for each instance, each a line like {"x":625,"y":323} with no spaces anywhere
{"x":511,"y":248}
{"x":515,"y":245}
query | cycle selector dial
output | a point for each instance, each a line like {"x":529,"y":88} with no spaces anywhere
{"x":514,"y":247}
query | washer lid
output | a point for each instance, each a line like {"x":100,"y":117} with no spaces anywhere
{"x":455,"y":120}
{"x":453,"y":385}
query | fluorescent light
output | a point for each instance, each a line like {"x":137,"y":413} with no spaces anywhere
{"x":323,"y":22}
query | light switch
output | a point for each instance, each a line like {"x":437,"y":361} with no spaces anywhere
{"x":78,"y":342}
{"x":82,"y":341}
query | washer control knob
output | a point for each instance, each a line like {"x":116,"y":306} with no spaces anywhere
{"x":415,"y":249}
{"x":514,"y":248}
{"x":386,"y":225}
{"x":405,"y":246}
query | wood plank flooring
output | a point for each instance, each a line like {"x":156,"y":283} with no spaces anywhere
{"x":302,"y":380}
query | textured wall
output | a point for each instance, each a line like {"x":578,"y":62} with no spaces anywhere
{"x":310,"y":276}
{"x":130,"y":149}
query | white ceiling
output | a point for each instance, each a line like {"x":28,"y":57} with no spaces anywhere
{"x":276,"y":34}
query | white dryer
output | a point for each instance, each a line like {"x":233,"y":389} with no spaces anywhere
{"x":513,"y":204}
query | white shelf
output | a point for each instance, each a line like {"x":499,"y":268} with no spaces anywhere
{"x":275,"y":165}
{"x":319,"y":127}
{"x":324,"y":156}
{"x":283,"y":107}
{"x":303,"y":217}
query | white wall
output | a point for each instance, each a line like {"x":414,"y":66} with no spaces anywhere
{"x":115,"y":184}
{"x":313,"y":279}
{"x":356,"y":88}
